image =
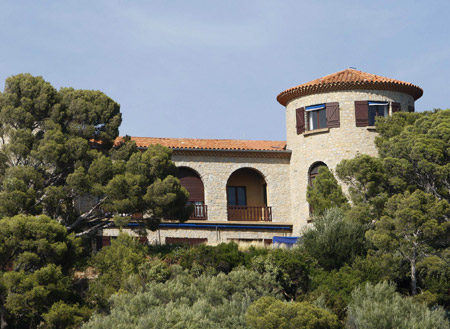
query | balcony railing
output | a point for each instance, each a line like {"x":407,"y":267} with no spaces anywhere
{"x":200,"y":212}
{"x":250,"y":213}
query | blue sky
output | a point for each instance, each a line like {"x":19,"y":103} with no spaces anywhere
{"x":213,"y":69}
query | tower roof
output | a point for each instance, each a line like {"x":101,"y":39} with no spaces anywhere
{"x":349,"y":79}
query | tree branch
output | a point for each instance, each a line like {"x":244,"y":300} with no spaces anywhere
{"x":86,"y":215}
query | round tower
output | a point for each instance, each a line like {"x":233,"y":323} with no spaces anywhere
{"x":332,"y":118}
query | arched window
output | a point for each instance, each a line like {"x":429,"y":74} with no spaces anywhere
{"x":314,"y":171}
{"x":192,"y":182}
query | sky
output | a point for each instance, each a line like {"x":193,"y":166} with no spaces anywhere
{"x":213,"y":69}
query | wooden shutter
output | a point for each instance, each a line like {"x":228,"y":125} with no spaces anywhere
{"x":395,"y":107}
{"x":192,"y":183}
{"x":300,"y":115}
{"x":411,"y":108}
{"x":362,"y":113}
{"x":332,"y":115}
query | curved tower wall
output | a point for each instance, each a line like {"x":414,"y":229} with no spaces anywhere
{"x":329,"y":145}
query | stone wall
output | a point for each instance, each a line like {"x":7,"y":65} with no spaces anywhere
{"x":215,"y":171}
{"x":329,"y":145}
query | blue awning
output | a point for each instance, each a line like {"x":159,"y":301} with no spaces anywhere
{"x":315,"y":107}
{"x":377,"y":103}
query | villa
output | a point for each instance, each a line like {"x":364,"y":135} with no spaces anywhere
{"x":255,"y":190}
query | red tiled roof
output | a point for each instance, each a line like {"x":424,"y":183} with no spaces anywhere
{"x":349,"y":79}
{"x":209,"y":144}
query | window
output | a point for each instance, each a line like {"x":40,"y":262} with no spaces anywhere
{"x":317,"y":116}
{"x":377,"y":109}
{"x":237,"y":196}
{"x":367,"y":111}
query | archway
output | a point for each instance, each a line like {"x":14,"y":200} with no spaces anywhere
{"x":314,"y":171}
{"x":192,"y":182}
{"x":247,"y":196}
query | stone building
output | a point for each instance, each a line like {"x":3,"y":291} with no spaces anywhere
{"x":255,"y":190}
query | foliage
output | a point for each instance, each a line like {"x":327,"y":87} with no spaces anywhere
{"x":187,"y":301}
{"x":414,"y":226}
{"x":36,"y":254}
{"x":289,"y":268}
{"x":367,"y":185}
{"x":332,"y":241}
{"x":271,"y":313}
{"x":114,"y":264}
{"x":28,"y":243}
{"x":434,"y":277}
{"x":335,"y":288}
{"x":28,"y":295}
{"x":57,"y":159}
{"x":325,"y":193}
{"x":380,"y":306}
{"x":62,"y":315}
{"x":223,"y":257}
{"x":415,"y":149}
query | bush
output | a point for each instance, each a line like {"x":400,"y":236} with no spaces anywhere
{"x":288,"y":267}
{"x":186,"y":301}
{"x":114,"y":264}
{"x":270,"y":313}
{"x":334,"y":242}
{"x":63,"y":316}
{"x":379,"y":306}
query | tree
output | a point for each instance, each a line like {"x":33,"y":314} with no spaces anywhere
{"x":36,"y":255}
{"x":333,"y":241}
{"x":271,"y":313}
{"x":57,"y":158}
{"x":368,"y":187}
{"x":415,"y":225}
{"x":415,"y":148}
{"x":380,"y":306}
{"x":325,"y":192}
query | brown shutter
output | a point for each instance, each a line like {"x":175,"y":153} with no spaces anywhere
{"x":192,"y":183}
{"x":332,"y":115}
{"x":395,"y":107}
{"x":411,"y":108}
{"x":362,"y":113}
{"x":300,"y":115}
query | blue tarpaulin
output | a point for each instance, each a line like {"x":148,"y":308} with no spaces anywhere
{"x":288,"y":240}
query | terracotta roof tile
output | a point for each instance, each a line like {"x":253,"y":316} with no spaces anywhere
{"x":209,"y":144}
{"x":349,"y":79}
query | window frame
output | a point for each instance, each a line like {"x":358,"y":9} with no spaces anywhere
{"x":316,"y":111}
{"x":236,"y":195}
{"x":377,"y":105}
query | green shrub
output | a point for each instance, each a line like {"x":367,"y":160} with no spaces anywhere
{"x":379,"y":306}
{"x":186,"y":301}
{"x":271,"y":313}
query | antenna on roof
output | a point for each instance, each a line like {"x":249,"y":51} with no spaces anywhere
{"x":351,"y":67}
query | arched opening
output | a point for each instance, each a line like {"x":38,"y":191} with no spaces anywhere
{"x":313,"y":172}
{"x":247,"y":196}
{"x":192,"y":182}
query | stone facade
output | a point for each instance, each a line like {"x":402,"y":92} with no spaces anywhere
{"x":215,"y":172}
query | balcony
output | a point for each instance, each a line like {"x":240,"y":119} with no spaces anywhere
{"x":250,"y":213}
{"x":200,"y":212}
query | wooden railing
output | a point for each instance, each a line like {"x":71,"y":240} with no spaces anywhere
{"x":200,"y":212}
{"x":250,"y":213}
